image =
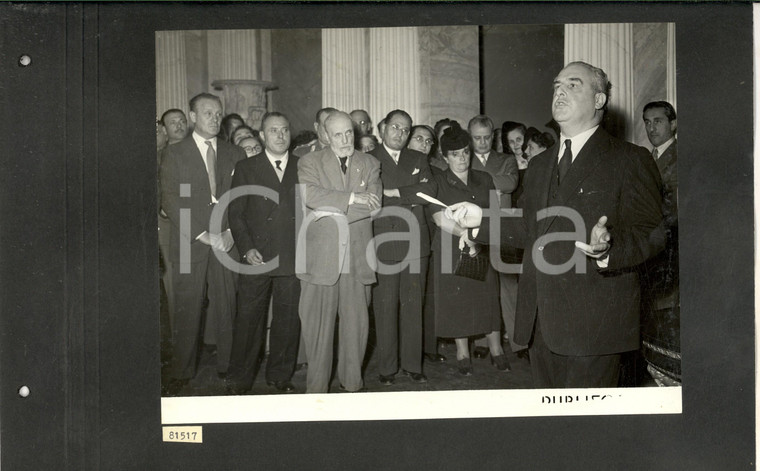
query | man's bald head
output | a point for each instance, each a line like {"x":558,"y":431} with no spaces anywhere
{"x":339,"y":129}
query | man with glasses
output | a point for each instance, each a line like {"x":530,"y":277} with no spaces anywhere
{"x":362,"y":123}
{"x":397,"y":297}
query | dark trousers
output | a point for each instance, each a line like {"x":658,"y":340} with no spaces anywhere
{"x":429,"y":339}
{"x":254,"y":293}
{"x":551,"y":370}
{"x":206,"y":278}
{"x":397,"y":305}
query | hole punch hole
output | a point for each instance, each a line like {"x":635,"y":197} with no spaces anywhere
{"x":23,"y":391}
{"x":24,"y":60}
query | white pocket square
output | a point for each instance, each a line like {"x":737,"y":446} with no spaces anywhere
{"x":362,"y":183}
{"x":416,"y":171}
{"x":424,"y":180}
{"x":233,"y":173}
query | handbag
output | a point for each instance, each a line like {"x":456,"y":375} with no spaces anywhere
{"x":475,"y":267}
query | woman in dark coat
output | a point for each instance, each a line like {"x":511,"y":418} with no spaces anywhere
{"x":464,"y":307}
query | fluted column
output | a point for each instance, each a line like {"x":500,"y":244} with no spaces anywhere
{"x":233,"y":55}
{"x":394,"y":80}
{"x":171,"y":73}
{"x":671,"y":64}
{"x":345,"y":69}
{"x":609,"y":47}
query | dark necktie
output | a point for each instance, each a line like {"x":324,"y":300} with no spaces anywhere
{"x":564,"y":162}
{"x":279,"y":173}
{"x":211,"y":163}
{"x":655,"y":153}
{"x":343,"y":163}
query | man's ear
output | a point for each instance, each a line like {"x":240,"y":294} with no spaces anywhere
{"x":316,"y":128}
{"x":673,"y":126}
{"x":192,"y":116}
{"x":600,"y":99}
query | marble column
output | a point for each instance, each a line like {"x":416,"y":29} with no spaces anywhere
{"x":450,"y":74}
{"x":394,"y":80}
{"x":608,"y":46}
{"x":171,"y":73}
{"x":345,"y":70}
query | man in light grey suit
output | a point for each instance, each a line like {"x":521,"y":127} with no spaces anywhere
{"x":339,"y":187}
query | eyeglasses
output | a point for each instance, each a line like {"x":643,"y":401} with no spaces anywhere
{"x":398,"y":128}
{"x":422,"y":140}
{"x":254,"y":149}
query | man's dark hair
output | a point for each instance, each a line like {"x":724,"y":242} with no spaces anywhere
{"x":670,"y":112}
{"x":393,"y":113}
{"x":321,"y":111}
{"x":172,"y":110}
{"x":272,"y":114}
{"x":203,"y":96}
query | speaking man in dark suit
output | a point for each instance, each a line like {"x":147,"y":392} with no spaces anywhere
{"x":661,"y":307}
{"x":578,"y":303}
{"x":335,"y":254}
{"x":265,"y":229}
{"x":397,"y":297}
{"x":194,"y":173}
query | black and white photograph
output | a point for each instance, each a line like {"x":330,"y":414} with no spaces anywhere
{"x":405,"y":235}
{"x":431,"y":117}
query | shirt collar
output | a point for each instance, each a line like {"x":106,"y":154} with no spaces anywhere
{"x":391,"y":151}
{"x":662,"y":148}
{"x":200,"y":141}
{"x":577,"y":142}
{"x":272,"y":158}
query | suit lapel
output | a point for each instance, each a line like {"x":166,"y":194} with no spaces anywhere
{"x":354,"y":174}
{"x":406,"y":162}
{"x":331,"y":165}
{"x":667,"y":158}
{"x":583,"y":165}
{"x":546,"y":178}
{"x":290,"y":177}
{"x":196,"y":163}
{"x":266,"y":174}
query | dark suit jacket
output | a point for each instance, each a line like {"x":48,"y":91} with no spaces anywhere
{"x":503,"y":168}
{"x":411,"y":175}
{"x":667,"y":164}
{"x":661,"y":272}
{"x":596,"y":312}
{"x":322,"y":248}
{"x":183,"y":164}
{"x":257,"y":222}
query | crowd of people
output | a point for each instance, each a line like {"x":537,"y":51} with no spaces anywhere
{"x":561,"y":245}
